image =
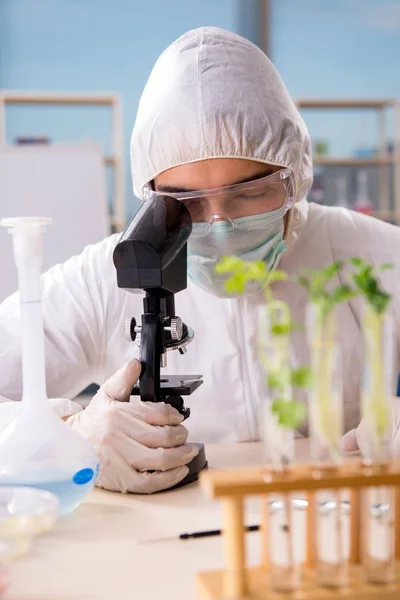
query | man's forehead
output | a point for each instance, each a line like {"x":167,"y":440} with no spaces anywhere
{"x":174,"y":185}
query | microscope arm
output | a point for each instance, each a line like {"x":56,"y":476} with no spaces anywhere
{"x":161,"y":331}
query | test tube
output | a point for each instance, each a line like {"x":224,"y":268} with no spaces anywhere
{"x":379,"y":385}
{"x":379,"y":561}
{"x":285,"y":551}
{"x":284,"y":554}
{"x":274,"y":361}
{"x":326,"y":430}
{"x":326,"y":393}
{"x":27,"y":233}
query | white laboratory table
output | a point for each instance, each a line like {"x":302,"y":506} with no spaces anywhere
{"x":97,"y":552}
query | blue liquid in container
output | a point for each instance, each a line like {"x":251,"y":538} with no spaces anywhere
{"x":70,"y":491}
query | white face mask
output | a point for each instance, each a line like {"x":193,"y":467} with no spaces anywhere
{"x":255,"y":238}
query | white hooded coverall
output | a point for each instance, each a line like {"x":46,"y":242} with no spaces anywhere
{"x":211,"y":94}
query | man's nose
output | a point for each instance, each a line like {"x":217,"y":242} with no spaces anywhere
{"x":217,"y":213}
{"x":216,"y":210}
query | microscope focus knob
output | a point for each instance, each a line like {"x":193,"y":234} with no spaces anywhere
{"x":131,"y":329}
{"x":176,"y":329}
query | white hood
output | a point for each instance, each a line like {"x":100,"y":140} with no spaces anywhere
{"x":214,"y":94}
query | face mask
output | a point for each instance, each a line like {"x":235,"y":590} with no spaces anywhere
{"x":255,"y":238}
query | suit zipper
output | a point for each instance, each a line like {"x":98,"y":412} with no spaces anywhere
{"x":247,"y":386}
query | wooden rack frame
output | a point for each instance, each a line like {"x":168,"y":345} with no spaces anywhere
{"x":382,"y":159}
{"x":238,"y":582}
{"x":116,"y":159}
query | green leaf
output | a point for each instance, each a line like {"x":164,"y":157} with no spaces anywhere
{"x":386,"y":266}
{"x":276,"y":276}
{"x":302,"y":377}
{"x":280,"y":329}
{"x":256,"y":271}
{"x":235,"y":285}
{"x":275,"y":380}
{"x":342,"y":293}
{"x":331,"y":270}
{"x":304,"y":281}
{"x":290,"y":413}
{"x":229,"y":264}
{"x":368,"y":285}
{"x":356,"y":261}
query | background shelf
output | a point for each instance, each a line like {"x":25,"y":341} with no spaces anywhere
{"x":384,"y":165}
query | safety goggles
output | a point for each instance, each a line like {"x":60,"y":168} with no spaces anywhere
{"x":271,"y":194}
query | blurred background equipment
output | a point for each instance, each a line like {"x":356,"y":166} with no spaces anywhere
{"x":89,"y":101}
{"x":341,"y":188}
{"x":362,"y":203}
{"x":372,"y":173}
{"x":346,"y":90}
{"x":65,"y":181}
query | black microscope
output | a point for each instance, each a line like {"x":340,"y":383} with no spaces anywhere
{"x":151,"y":255}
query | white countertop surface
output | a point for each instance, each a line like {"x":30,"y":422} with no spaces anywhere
{"x":96,"y":552}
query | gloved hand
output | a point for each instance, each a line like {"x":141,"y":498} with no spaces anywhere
{"x":132,"y":438}
{"x":357,"y":439}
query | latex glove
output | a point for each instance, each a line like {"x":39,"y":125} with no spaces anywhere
{"x":357,"y":439}
{"x":134,"y":437}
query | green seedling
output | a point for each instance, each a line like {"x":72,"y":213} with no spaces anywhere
{"x":325,"y":295}
{"x":317,"y":283}
{"x":377,"y":406}
{"x":290,"y":413}
{"x":367,"y":284}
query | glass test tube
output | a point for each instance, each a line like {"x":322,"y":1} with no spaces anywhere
{"x":377,"y":389}
{"x":326,"y":430}
{"x":284,"y":554}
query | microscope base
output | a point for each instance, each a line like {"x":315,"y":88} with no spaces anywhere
{"x":197,"y":464}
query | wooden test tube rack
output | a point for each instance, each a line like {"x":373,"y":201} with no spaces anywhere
{"x":239,"y":582}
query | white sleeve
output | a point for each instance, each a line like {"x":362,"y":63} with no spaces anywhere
{"x":61,"y":406}
{"x":74,"y":298}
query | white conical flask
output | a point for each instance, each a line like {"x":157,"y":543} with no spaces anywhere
{"x":39,"y":449}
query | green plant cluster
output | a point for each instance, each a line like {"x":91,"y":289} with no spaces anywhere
{"x":289,"y":412}
{"x":318,"y":285}
{"x":364,"y":279}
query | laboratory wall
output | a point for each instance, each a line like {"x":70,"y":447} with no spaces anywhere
{"x":339,"y":49}
{"x":323,"y":49}
{"x":96,"y":46}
